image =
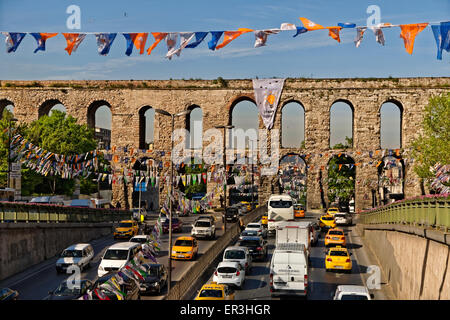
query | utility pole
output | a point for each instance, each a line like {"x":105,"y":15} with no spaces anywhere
{"x":8,"y":183}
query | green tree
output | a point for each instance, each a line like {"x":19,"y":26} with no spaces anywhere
{"x":433,"y":145}
{"x":341,"y":182}
{"x":348,"y":144}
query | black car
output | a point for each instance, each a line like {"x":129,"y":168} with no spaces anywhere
{"x":7,"y":294}
{"x":70,"y":291}
{"x":256,"y":246}
{"x":130,"y":287}
{"x":156,"y":279}
{"x":232,"y":214}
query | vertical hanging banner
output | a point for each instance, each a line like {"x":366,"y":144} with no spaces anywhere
{"x":73,"y":41}
{"x":267,"y":96}
{"x":41,"y":38}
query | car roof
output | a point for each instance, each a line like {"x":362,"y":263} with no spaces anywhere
{"x":352,"y":288}
{"x":125,"y":221}
{"x":338,"y":249}
{"x":203,"y":220}
{"x":140,"y":236}
{"x":78,"y":246}
{"x":251,"y":238}
{"x":280,"y":197}
{"x":237,"y":248}
{"x":336,"y":229}
{"x":258,"y":223}
{"x":213,"y":286}
{"x":185,"y":238}
{"x":124,"y":245}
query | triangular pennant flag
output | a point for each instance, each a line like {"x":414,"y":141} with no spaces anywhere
{"x":309,"y":25}
{"x":261,"y":36}
{"x":199,"y":37}
{"x":158,"y":37}
{"x":231,"y":35}
{"x":13,"y":39}
{"x":300,"y":30}
{"x":442,"y":36}
{"x":288,"y":26}
{"x":359,"y":35}
{"x":334,"y":33}
{"x":137,"y":40}
{"x":409,"y":33}
{"x":41,"y":38}
{"x":185,"y":38}
{"x":215,"y":36}
{"x":104,"y":42}
{"x":73,"y":41}
{"x":171,"y":41}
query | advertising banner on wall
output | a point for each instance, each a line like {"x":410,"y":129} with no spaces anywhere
{"x":267,"y":96}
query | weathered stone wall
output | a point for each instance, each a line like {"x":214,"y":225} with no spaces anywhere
{"x":217,"y":99}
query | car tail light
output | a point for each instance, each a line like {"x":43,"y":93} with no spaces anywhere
{"x":348,"y":260}
{"x":329,"y":259}
{"x":306,"y":280}
{"x":238,"y":273}
{"x":259,"y":248}
{"x":259,"y":230}
{"x":271,"y":281}
{"x":328,"y":237}
{"x":246,"y":264}
{"x":215,"y":273}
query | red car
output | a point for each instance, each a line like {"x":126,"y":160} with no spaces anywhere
{"x":177,"y":225}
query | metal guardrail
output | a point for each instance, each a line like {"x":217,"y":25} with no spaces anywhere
{"x":428,"y":212}
{"x":179,"y":290}
{"x":43,"y":213}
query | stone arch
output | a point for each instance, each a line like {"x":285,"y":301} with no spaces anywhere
{"x":102,"y":134}
{"x":342,"y":178}
{"x":293,"y":176}
{"x":390,"y":118}
{"x":5,"y":103}
{"x":242,"y":122}
{"x":143,"y":127}
{"x":194,"y":141}
{"x":46,"y":106}
{"x":284,"y":131}
{"x":150,"y":197}
{"x":391,"y":182}
{"x":352,"y":109}
{"x":92,"y":109}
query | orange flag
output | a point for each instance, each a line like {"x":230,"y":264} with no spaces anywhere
{"x":334,"y":33}
{"x":73,"y":41}
{"x":309,"y":25}
{"x":139,"y":40}
{"x":158,"y":37}
{"x":229,"y":36}
{"x":409,"y":33}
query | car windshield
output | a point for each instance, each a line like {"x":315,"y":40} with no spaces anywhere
{"x":125,"y":225}
{"x":235,"y":254}
{"x":253,"y":226}
{"x":174,"y":221}
{"x":337,"y":253}
{"x":210,"y":293}
{"x":249,"y":233}
{"x":353,"y":297}
{"x":152,"y":270}
{"x":327,"y":218}
{"x":226,"y":270}
{"x":183,"y":243}
{"x":231,"y":211}
{"x":296,"y":207}
{"x":339,"y":215}
{"x":65,"y":290}
{"x":202,"y":224}
{"x":116,"y":254}
{"x":336,"y":233}
{"x":249,"y":243}
{"x":280,"y":203}
{"x":138,"y":240}
{"x":72,"y":254}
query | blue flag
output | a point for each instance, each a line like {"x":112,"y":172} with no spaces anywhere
{"x":199,"y":36}
{"x":130,"y":44}
{"x":104,"y":42}
{"x":300,"y":30}
{"x":13,"y":40}
{"x":41,"y":38}
{"x":346,"y":25}
{"x":214,"y":39}
{"x":442,"y":36}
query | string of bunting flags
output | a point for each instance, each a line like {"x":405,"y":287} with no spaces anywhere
{"x":178,"y":41}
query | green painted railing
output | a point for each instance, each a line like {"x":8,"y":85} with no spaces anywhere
{"x":42,"y":213}
{"x":429,"y":212}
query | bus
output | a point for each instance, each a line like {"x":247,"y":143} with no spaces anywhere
{"x":280,"y":208}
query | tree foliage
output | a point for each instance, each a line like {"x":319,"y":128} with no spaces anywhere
{"x":433,"y":145}
{"x":341,"y":181}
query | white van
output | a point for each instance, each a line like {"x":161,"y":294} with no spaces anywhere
{"x":239,"y":254}
{"x":294,"y":232}
{"x":289,"y":270}
{"x":280,"y":207}
{"x":117,"y":255}
{"x":80,"y":255}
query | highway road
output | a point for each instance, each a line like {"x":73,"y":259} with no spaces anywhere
{"x":322,"y":284}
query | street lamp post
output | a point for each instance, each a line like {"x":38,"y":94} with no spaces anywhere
{"x":9,"y":151}
{"x":226,"y":173}
{"x":163,"y":112}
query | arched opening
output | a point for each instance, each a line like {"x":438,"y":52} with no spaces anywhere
{"x":390,"y":179}
{"x":341,"y":125}
{"x":292,"y":177}
{"x":245,"y":119}
{"x":194,"y":124}
{"x":292,"y":125}
{"x":48,"y":106}
{"x":146,"y":127}
{"x":99,"y":117}
{"x":341,"y":181}
{"x":243,"y":182}
{"x":145,"y":186}
{"x":6,"y":105}
{"x":391,"y":125}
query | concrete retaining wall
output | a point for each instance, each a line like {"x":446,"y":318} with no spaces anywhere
{"x":23,"y":245}
{"x":416,"y":267}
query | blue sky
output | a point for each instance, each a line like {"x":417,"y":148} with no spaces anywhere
{"x":313,"y":54}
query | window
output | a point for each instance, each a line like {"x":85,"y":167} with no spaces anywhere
{"x":183,"y":243}
{"x":390,"y":125}
{"x":341,"y":125}
{"x":292,"y":125}
{"x":211,"y":293}
{"x":278,"y":204}
{"x":235,"y":254}
{"x":226,"y":270}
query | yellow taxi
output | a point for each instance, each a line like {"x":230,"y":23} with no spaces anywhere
{"x":264,"y":220}
{"x":299,"y":212}
{"x":214,"y":291}
{"x":335,"y":237}
{"x":249,"y":206}
{"x":327,"y":222}
{"x":338,"y":258}
{"x":126,"y":229}
{"x":332,"y":211}
{"x":185,"y":248}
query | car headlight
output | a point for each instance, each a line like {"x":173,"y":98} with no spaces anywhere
{"x":174,"y":252}
{"x":155,"y":284}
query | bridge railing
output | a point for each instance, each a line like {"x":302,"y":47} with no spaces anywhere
{"x":48,"y":213}
{"x":431,"y":212}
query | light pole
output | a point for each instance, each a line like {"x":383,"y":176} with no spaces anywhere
{"x":226,"y":173}
{"x":9,"y":151}
{"x":163,"y":112}
{"x":253,"y":180}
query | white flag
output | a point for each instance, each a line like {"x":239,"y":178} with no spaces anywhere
{"x":359,"y":35}
{"x":171,"y":40}
{"x":185,"y":38}
{"x":261,"y":36}
{"x":267,"y":96}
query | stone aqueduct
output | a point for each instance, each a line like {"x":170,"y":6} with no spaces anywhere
{"x":126,"y":99}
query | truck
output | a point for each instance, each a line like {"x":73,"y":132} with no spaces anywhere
{"x":294,"y":232}
{"x":289,"y":270}
{"x":280,"y":207}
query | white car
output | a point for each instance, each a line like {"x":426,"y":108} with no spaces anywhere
{"x":141,"y":239}
{"x":343,"y":219}
{"x":239,"y":254}
{"x":230,"y":273}
{"x":80,"y":255}
{"x":117,"y":256}
{"x":204,"y":228}
{"x":258,"y":227}
{"x":352,"y":292}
